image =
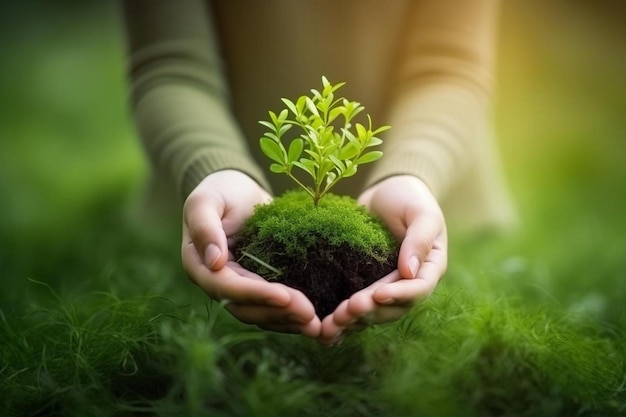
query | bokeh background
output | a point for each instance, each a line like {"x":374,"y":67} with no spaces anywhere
{"x":72,"y":174}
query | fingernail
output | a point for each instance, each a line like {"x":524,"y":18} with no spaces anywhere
{"x":387,"y":301}
{"x":212,"y":255}
{"x":413,"y":264}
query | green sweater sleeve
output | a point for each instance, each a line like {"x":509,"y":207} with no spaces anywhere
{"x":180,"y":100}
{"x":440,"y":93}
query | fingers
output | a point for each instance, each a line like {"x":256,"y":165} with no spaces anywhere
{"x":342,"y":321}
{"x":386,"y":300}
{"x":253,"y":300}
{"x":311,"y":329}
{"x":299,"y":310}
{"x":203,"y":227}
{"x":421,"y":233}
{"x":404,"y":292}
{"x":213,"y":213}
{"x":228,"y":284}
{"x":361,"y":310}
{"x":282,"y":320}
{"x":412,"y":214}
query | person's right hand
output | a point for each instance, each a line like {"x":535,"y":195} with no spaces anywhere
{"x":213,"y":213}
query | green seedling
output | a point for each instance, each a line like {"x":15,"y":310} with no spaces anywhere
{"x":329,"y":146}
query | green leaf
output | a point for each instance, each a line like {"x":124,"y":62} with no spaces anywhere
{"x":380,"y":130}
{"x":311,"y":136}
{"x":268,"y":125}
{"x":295,"y":150}
{"x":373,"y":141}
{"x":311,"y":106}
{"x":316,"y":94}
{"x":324,"y":104}
{"x":361,"y":131}
{"x":348,"y":151}
{"x":317,"y":124}
{"x":358,"y":109}
{"x":335,"y":112}
{"x":316,"y":156}
{"x":278,"y":169}
{"x":272,"y":150}
{"x":369,"y":157}
{"x":330,"y":149}
{"x":325,"y":82}
{"x":350,"y":171}
{"x":325,"y":166}
{"x":337,"y":86}
{"x":290,"y":105}
{"x":351,"y":138}
{"x":352,"y":108}
{"x":300,"y":104}
{"x":341,"y":167}
{"x":272,"y":136}
{"x":274,"y":118}
{"x":306,"y":165}
{"x":284,"y":128}
{"x":330,"y":178}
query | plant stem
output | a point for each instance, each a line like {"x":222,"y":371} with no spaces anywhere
{"x":307,"y":189}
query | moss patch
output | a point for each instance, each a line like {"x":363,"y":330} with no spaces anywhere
{"x":328,"y":252}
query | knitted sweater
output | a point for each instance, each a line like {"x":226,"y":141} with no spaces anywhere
{"x":204,"y":72}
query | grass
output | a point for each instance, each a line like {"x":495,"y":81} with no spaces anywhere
{"x":98,"y":318}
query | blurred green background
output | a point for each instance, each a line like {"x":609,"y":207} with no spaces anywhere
{"x":72,"y":181}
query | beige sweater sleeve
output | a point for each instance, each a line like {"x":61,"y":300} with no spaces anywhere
{"x":441,"y":92}
{"x":426,"y":67}
{"x":180,"y":100}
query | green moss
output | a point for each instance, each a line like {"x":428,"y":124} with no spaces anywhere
{"x":293,"y":222}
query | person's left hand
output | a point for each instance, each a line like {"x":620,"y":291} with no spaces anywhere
{"x":410,"y":211}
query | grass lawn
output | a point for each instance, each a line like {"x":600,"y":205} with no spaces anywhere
{"x":97,"y":317}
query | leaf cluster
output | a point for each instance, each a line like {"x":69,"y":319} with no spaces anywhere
{"x":329,"y":146}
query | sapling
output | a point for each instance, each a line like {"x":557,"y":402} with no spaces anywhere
{"x":329,"y":146}
{"x":320,"y":243}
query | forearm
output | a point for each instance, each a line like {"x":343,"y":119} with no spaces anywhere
{"x":441,"y":102}
{"x":179,"y":95}
{"x":433,"y":134}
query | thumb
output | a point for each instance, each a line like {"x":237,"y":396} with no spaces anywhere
{"x":203,"y":224}
{"x":416,"y":245}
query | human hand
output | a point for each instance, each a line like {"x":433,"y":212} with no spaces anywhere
{"x":412,"y":214}
{"x":213,"y":213}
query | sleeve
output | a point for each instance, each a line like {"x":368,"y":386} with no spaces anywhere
{"x":179,"y":95}
{"x":441,"y":95}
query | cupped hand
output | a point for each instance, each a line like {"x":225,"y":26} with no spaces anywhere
{"x":410,"y":211}
{"x":212,"y":215}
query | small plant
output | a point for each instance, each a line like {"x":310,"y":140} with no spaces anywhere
{"x":329,"y":146}
{"x":337,"y":248}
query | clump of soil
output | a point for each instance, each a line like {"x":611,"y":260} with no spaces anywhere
{"x":328,"y":252}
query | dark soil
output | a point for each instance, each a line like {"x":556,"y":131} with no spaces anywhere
{"x":328,"y":275}
{"x":319,"y":251}
{"x":332,"y":274}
